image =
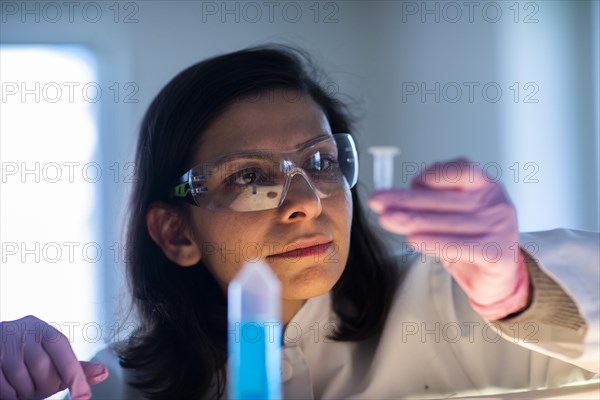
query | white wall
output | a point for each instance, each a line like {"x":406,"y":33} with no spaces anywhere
{"x":374,"y":51}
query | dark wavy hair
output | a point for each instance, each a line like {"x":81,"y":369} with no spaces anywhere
{"x":179,"y":347}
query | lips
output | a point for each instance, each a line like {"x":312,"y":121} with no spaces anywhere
{"x":304,"y":248}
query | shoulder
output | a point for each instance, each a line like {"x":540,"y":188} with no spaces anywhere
{"x":564,"y":247}
{"x":425,"y":288}
{"x":571,"y":258}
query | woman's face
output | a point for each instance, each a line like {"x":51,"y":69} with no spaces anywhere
{"x":316,"y":231}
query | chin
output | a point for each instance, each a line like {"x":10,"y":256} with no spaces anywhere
{"x":312,"y":282}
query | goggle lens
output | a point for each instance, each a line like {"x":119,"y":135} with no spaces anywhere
{"x":259,"y":180}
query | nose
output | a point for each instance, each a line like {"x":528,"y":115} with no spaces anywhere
{"x":300,"y":201}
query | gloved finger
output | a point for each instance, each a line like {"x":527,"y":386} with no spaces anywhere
{"x":498,"y":218}
{"x":11,"y":355}
{"x":485,"y":283}
{"x":6,"y":390}
{"x":91,"y":371}
{"x":18,"y":377}
{"x":481,"y":251}
{"x":459,"y":173}
{"x":69,"y":369}
{"x":42,"y":371}
{"x":95,"y":372}
{"x":427,"y":199}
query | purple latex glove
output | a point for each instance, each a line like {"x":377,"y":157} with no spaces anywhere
{"x":457,"y":213}
{"x":37,"y":361}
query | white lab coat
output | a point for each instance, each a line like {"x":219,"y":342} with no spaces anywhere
{"x":435,"y":345}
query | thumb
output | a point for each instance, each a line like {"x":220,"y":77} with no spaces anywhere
{"x":95,"y":372}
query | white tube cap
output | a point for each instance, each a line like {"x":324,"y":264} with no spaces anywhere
{"x":383,"y":165}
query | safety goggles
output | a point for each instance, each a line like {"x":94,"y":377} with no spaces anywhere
{"x":260,"y":179}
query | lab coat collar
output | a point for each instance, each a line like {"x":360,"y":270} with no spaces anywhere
{"x":301,"y":326}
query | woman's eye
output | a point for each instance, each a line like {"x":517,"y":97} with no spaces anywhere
{"x":251,"y":176}
{"x":324,"y":165}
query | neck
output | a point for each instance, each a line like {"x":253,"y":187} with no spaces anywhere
{"x":289,"y":308}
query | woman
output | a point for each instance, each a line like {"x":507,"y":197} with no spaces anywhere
{"x":244,"y":157}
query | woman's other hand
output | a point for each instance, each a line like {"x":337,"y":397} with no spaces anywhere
{"x":37,"y":361}
{"x":455,"y":212}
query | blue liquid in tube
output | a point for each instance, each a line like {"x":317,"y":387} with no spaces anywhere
{"x":254,"y":334}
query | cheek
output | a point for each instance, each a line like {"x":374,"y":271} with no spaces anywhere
{"x":223,"y":239}
{"x":349,"y":207}
{"x":340,"y":212}
{"x":346,"y":222}
{"x":344,"y":212}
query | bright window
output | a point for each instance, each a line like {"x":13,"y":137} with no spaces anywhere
{"x":51,"y":257}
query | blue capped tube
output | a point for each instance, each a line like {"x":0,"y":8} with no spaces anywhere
{"x":254,"y":333}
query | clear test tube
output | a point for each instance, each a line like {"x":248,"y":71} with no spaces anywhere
{"x":383,"y":165}
{"x":254,"y":333}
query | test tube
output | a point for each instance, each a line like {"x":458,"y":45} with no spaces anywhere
{"x":383,"y":165}
{"x":254,"y":342}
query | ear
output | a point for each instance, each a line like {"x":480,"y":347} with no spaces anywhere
{"x":170,"y":233}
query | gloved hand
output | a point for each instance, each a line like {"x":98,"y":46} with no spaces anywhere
{"x":456,"y":212}
{"x":36,"y":361}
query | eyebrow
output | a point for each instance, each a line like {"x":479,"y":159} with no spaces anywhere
{"x":254,"y":155}
{"x":267,"y":155}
